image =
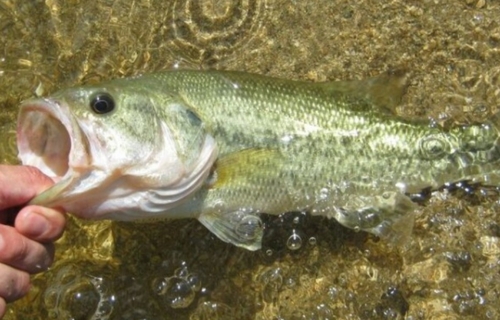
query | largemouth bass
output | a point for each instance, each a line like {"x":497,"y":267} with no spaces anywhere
{"x":224,"y":147}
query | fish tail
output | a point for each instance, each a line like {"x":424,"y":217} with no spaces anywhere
{"x":494,"y":177}
{"x":479,"y":156}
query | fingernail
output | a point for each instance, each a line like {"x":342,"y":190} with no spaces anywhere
{"x":39,"y":225}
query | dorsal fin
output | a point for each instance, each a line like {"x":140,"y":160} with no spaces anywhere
{"x":384,"y":92}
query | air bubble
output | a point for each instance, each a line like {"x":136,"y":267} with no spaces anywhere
{"x":269,"y":252}
{"x":333,"y":293}
{"x":66,"y":276}
{"x":312,"y":241}
{"x":194,"y":281}
{"x":273,"y":275}
{"x":249,"y":228}
{"x":179,"y":293}
{"x":80,"y":301}
{"x":76,"y":296}
{"x":294,"y":242}
{"x":213,"y":310}
{"x":181,"y":272}
{"x":323,"y":193}
{"x":179,"y":290}
{"x":272,"y":281}
{"x":323,"y":312}
{"x":50,"y":298}
{"x":159,"y":285}
{"x":370,"y":219}
{"x":290,"y":282}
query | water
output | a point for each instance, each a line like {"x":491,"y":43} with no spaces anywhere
{"x":309,"y":267}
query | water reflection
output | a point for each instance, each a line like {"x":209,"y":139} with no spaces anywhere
{"x":209,"y":30}
{"x":452,"y":50}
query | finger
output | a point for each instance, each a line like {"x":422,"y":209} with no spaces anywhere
{"x":20,"y":184}
{"x":40,"y":223}
{"x":23,"y":253}
{"x":14,"y":284}
{"x":3,"y":307}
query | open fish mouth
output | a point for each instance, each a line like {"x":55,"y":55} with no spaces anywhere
{"x":88,"y":184}
{"x":49,"y":139}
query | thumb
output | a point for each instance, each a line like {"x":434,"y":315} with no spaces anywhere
{"x":41,"y":224}
{"x":19,"y":184}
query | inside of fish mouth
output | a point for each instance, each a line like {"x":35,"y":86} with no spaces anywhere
{"x":49,"y":142}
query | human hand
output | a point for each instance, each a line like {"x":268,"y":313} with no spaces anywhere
{"x":26,"y":233}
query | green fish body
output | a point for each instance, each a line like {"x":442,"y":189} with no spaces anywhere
{"x":247,"y":144}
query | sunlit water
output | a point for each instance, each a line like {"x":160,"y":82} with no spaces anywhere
{"x":309,"y":268}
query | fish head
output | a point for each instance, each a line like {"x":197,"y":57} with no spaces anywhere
{"x":116,"y":150}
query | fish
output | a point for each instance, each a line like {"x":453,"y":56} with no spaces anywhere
{"x":224,"y":147}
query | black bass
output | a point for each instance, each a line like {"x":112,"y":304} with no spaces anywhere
{"x":224,"y":147}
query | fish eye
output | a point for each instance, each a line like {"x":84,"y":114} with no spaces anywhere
{"x":102,"y":103}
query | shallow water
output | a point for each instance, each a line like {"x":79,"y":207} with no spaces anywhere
{"x":309,"y":268}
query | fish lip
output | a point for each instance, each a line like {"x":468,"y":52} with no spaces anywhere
{"x":36,"y":118}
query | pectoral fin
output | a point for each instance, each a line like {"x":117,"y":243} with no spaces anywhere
{"x":236,"y":196}
{"x":242,"y":228}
